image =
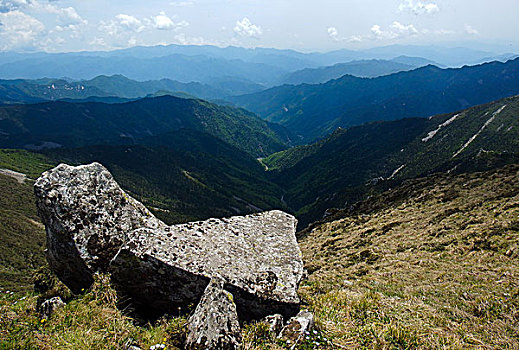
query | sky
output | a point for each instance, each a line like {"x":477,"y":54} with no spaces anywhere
{"x":305,"y":25}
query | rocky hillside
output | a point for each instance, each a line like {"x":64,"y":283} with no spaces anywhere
{"x":431,"y":264}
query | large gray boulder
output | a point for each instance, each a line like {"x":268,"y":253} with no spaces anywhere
{"x":93,"y":225}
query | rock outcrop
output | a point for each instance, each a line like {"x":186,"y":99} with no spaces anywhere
{"x":214,"y":324}
{"x":93,"y":225}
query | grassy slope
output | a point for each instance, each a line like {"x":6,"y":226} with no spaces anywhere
{"x":431,"y":264}
{"x":21,"y":233}
{"x":29,"y":163}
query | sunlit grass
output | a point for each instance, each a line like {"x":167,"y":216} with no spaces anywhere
{"x":437,"y":270}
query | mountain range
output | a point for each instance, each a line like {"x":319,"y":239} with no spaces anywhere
{"x":313,"y":111}
{"x":183,"y":175}
{"x":211,"y":64}
{"x":67,"y":124}
{"x":361,"y":68}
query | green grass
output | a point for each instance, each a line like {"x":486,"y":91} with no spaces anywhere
{"x":29,"y":163}
{"x":21,"y":233}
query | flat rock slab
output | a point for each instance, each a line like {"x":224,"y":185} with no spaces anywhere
{"x":93,"y":225}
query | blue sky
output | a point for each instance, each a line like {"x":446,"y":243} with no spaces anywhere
{"x":74,"y":25}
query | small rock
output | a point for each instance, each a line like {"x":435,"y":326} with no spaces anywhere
{"x":49,"y":306}
{"x":296,"y":327}
{"x":275,"y":322}
{"x":214,"y":324}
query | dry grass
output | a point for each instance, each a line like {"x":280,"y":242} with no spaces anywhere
{"x":436,"y":268}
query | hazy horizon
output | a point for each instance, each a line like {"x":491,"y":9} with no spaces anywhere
{"x":94,"y":25}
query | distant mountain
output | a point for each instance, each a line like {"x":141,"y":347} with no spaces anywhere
{"x":116,"y":88}
{"x":177,"y":67}
{"x":294,"y":60}
{"x":362,"y":69}
{"x":341,"y":169}
{"x":313,"y":111}
{"x":415,"y":61}
{"x":31,"y":91}
{"x":209,"y":64}
{"x":448,"y":56}
{"x":283,"y":59}
{"x":57,"y":124}
{"x":119,"y":85}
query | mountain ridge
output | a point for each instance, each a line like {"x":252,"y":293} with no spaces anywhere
{"x":315,"y":110}
{"x":60,"y":123}
{"x":358,"y":68}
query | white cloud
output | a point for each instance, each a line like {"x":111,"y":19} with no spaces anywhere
{"x":163,"y":22}
{"x":470,"y":30}
{"x":126,"y":23}
{"x":185,"y":40}
{"x":418,"y":7}
{"x":38,"y":24}
{"x":11,"y":5}
{"x":65,"y":15}
{"x":19,"y":31}
{"x":395,"y":31}
{"x":356,"y":39}
{"x":333,"y":33}
{"x":98,"y":43}
{"x":245,"y":28}
{"x":69,"y":16}
{"x":129,"y":22}
{"x":438,"y":32}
